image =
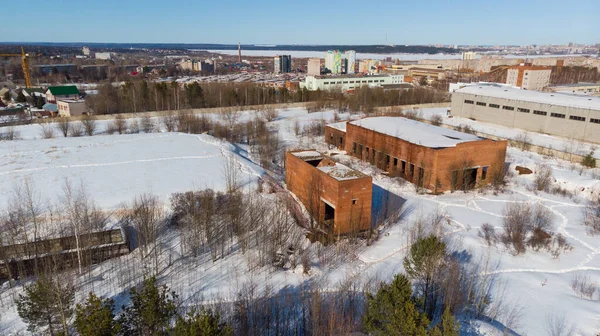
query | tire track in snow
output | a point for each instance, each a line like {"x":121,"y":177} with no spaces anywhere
{"x":107,"y":164}
{"x":531,"y":270}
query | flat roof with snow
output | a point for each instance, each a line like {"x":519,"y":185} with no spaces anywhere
{"x":550,"y":98}
{"x":416,"y":132}
{"x":340,"y":126}
{"x":308,"y":155}
{"x":341,"y":172}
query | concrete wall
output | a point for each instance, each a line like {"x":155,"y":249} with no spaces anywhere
{"x":529,"y":121}
{"x":350,"y":198}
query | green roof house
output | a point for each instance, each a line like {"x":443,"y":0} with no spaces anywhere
{"x":56,"y":93}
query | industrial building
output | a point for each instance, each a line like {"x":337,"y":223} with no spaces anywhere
{"x":337,"y":197}
{"x":469,"y":55}
{"x":314,"y":67}
{"x":429,"y":156}
{"x":104,"y":55}
{"x":565,"y":115}
{"x":350,"y":82}
{"x":577,"y":88}
{"x":282,"y":64}
{"x":528,"y":76}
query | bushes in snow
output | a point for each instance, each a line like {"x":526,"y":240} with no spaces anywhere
{"x":436,"y":120}
{"x":589,"y":161}
{"x":592,"y":217}
{"x":543,"y":178}
{"x":583,"y":285}
{"x":9,"y":133}
{"x":525,"y":225}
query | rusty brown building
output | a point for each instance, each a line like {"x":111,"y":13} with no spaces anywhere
{"x":337,"y":197}
{"x":432,"y":157}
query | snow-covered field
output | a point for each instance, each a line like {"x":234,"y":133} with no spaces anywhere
{"x":118,"y":167}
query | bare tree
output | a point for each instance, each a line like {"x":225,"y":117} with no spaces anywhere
{"x":64,"y":126}
{"x":10,"y":134}
{"x":488,"y":233}
{"x":543,"y":178}
{"x":230,"y":172}
{"x":169,"y":121}
{"x":81,"y":214}
{"x":120,"y":124}
{"x":583,"y":285}
{"x":77,"y":129}
{"x":558,"y":326}
{"x":436,"y":120}
{"x":269,"y":112}
{"x":147,"y":124}
{"x":516,"y":225}
{"x":89,"y":123}
{"x":147,"y":217}
{"x":47,"y":132}
{"x":592,"y":217}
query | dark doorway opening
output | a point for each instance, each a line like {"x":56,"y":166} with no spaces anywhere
{"x":329,"y":212}
{"x":469,"y":178}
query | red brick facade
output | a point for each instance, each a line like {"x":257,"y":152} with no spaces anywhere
{"x":466,"y":165}
{"x":335,"y":137}
{"x":350,"y":198}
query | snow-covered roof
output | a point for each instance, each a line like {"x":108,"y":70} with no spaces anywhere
{"x":415,"y":132}
{"x":341,"y":172}
{"x":307,"y":155}
{"x":550,"y":98}
{"x":341,"y":126}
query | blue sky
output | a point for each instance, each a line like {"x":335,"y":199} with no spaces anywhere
{"x":303,"y":22}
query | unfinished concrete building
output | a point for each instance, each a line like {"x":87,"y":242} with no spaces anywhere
{"x":432,"y":157}
{"x":337,"y":197}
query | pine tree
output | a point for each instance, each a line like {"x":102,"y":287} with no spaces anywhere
{"x":46,"y":304}
{"x":392,"y":310}
{"x":424,"y":260}
{"x":589,"y":160}
{"x":151,"y":311}
{"x":201,"y":323}
{"x":450,"y":327}
{"x":96,"y":317}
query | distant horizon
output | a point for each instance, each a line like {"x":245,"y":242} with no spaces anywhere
{"x":304,"y":44}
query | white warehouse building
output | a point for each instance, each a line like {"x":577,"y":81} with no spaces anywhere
{"x":560,"y":114}
{"x":350,"y":82}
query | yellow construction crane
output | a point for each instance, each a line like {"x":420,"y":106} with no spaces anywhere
{"x":24,"y":63}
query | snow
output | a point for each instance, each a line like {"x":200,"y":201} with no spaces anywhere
{"x":341,"y":172}
{"x":307,"y":154}
{"x":341,"y":126}
{"x":116,"y":168}
{"x":550,"y":98}
{"x":415,"y":132}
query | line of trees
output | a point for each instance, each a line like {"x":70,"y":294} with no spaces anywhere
{"x":141,"y":96}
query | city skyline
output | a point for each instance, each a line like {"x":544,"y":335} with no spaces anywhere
{"x":463,"y":22}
